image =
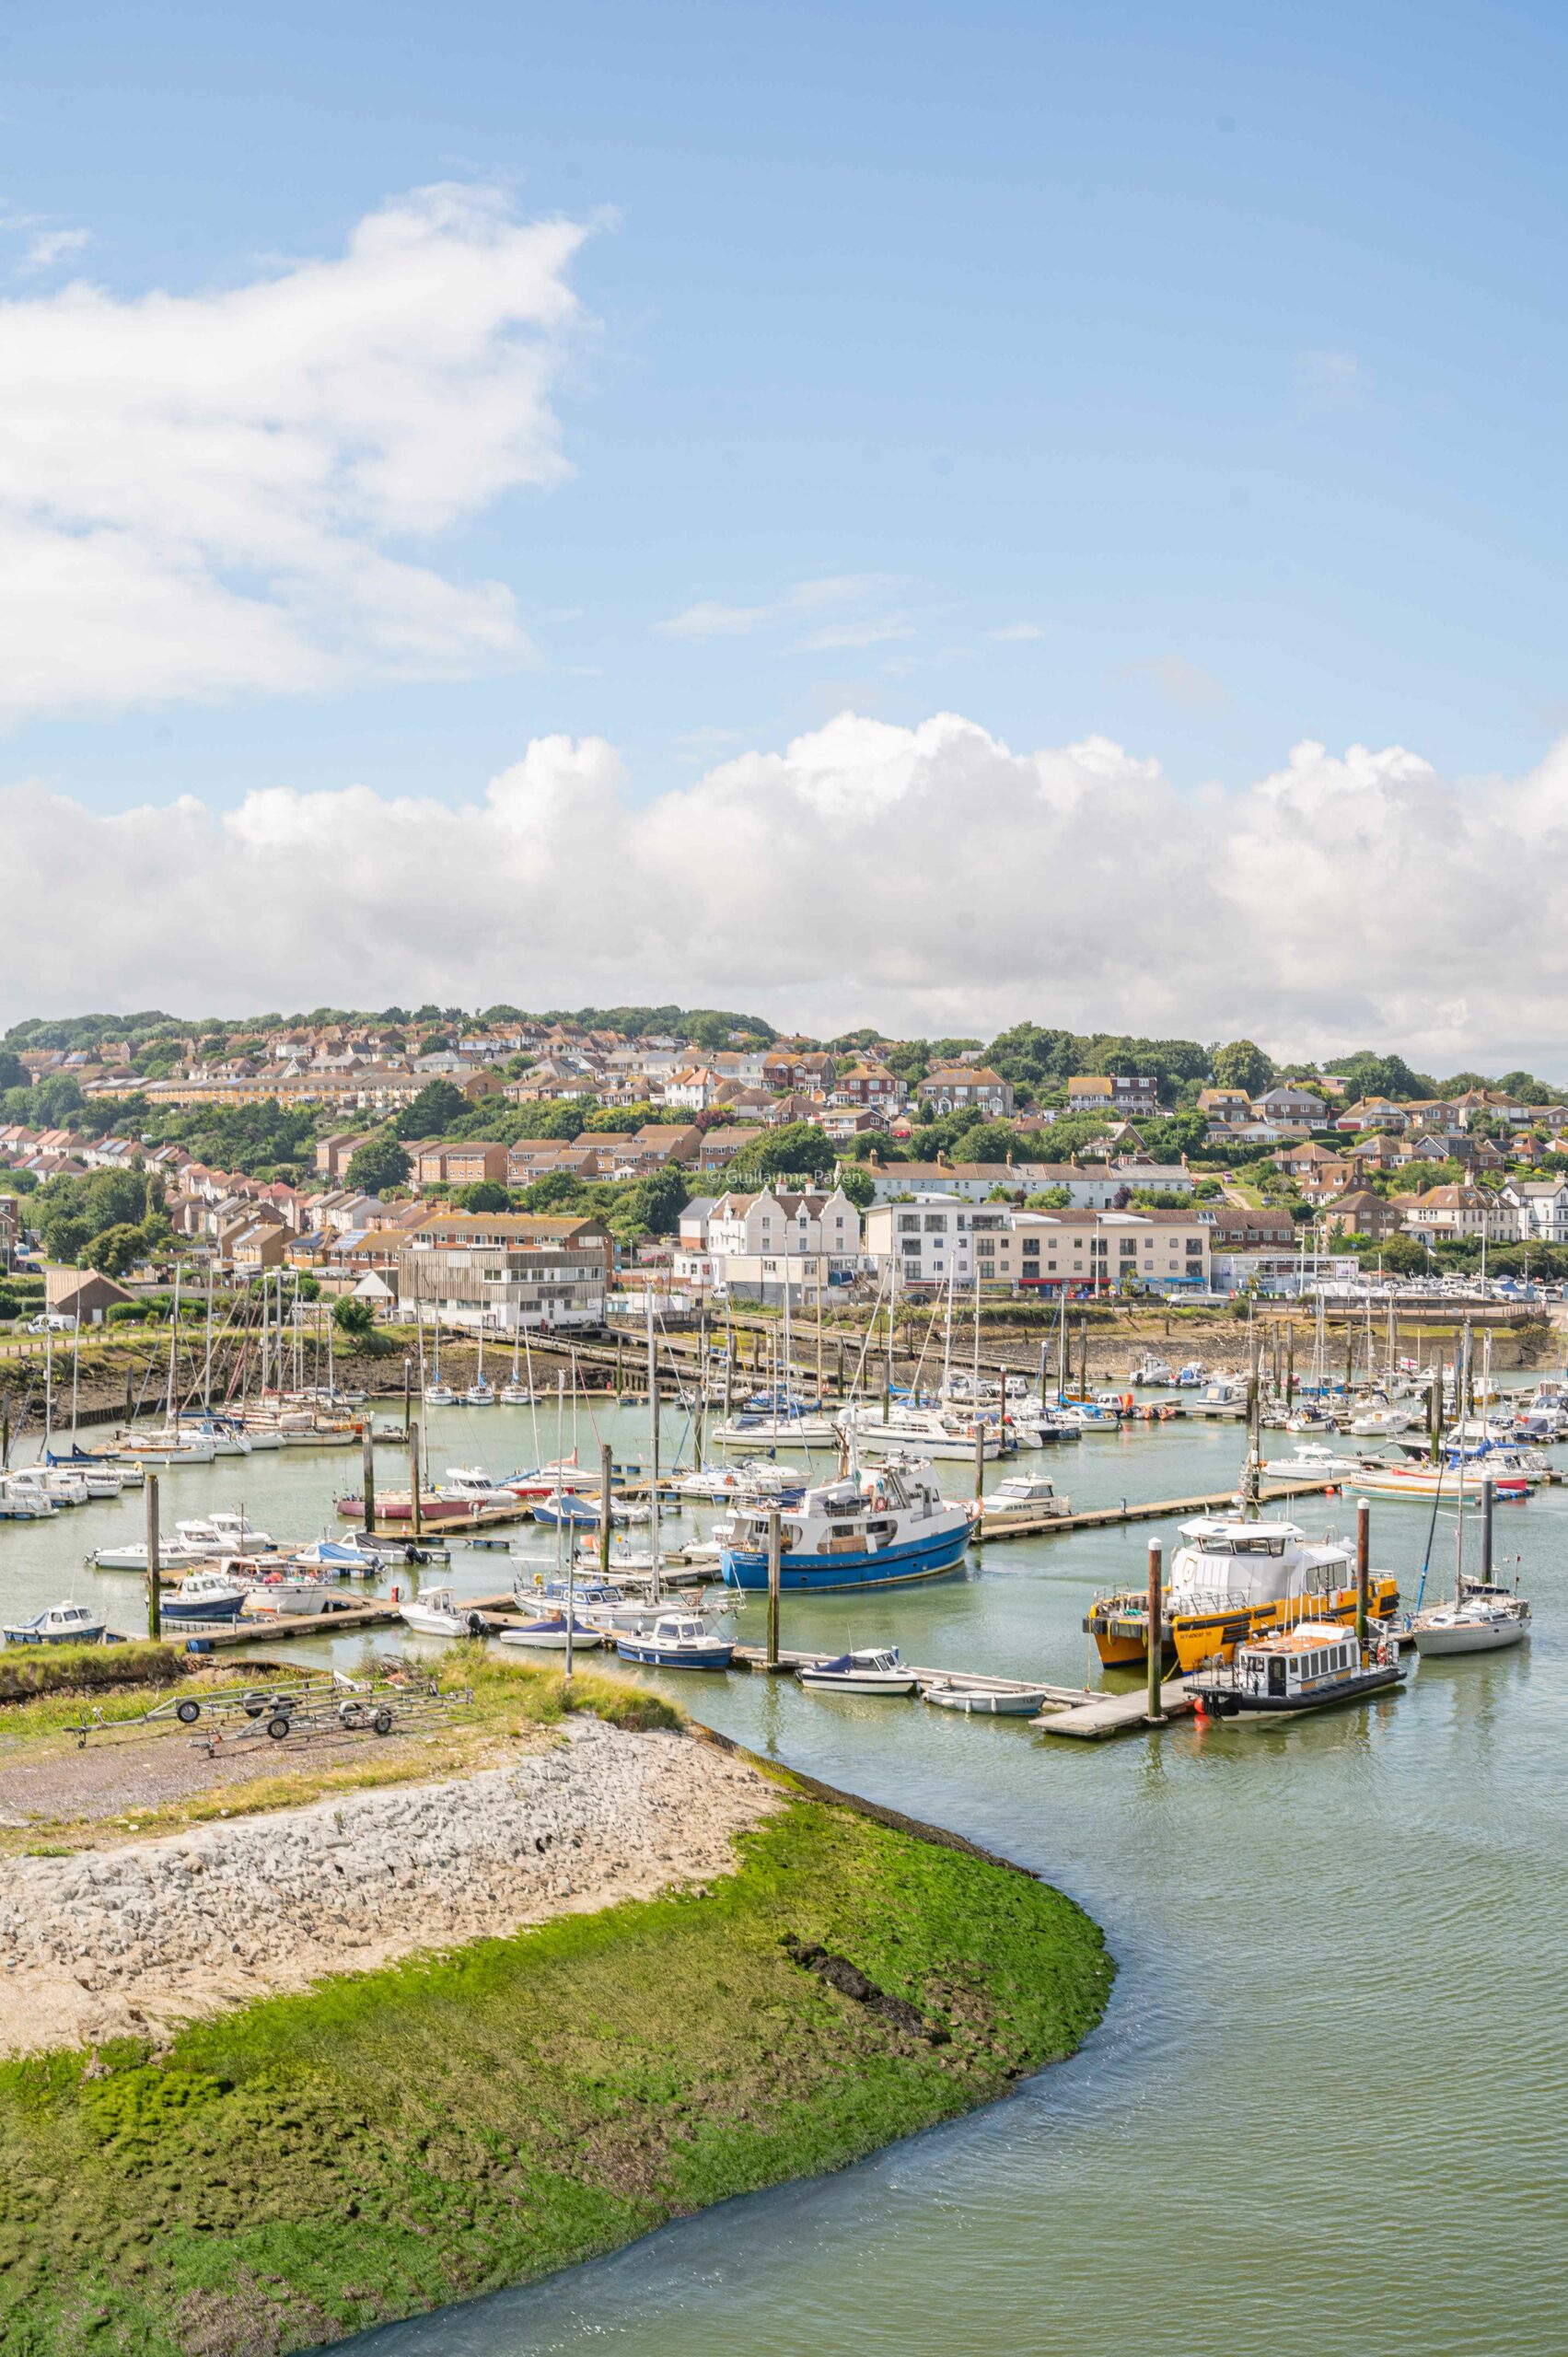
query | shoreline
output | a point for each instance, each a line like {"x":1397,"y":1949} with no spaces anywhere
{"x":801,"y":1978}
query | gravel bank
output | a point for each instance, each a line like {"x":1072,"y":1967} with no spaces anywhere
{"x":140,"y":1936}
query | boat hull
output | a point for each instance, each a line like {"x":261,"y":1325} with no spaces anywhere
{"x":920,"y":1559}
{"x":1257,"y":1708}
{"x":985,"y":1705}
{"x":1468,"y":1637}
{"x":674,"y":1656}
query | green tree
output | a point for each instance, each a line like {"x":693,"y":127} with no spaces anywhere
{"x":794,"y":1149}
{"x":1243,"y":1064}
{"x":115,"y":1250}
{"x":483,"y":1195}
{"x":433,"y":1112}
{"x":13,"y":1071}
{"x":558,"y":1190}
{"x":353,"y":1316}
{"x":858,"y":1185}
{"x":1049,"y":1199}
{"x":652,"y":1205}
{"x":378,"y":1164}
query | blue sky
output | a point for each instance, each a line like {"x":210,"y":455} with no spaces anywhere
{"x":1219,"y":350}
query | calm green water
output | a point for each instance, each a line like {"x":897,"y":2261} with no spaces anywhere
{"x":1326,"y":2108}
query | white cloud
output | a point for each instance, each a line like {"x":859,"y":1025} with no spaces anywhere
{"x":1181,"y":682}
{"x":873,"y":632}
{"x":219,"y":493}
{"x":927,"y":878}
{"x":709,"y":618}
{"x":49,"y":247}
{"x":1021,"y":632}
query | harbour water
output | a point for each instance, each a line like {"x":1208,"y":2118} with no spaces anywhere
{"x":1326,"y":2107}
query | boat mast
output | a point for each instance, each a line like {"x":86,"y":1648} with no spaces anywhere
{"x":48,"y":1384}
{"x":207,"y":1353}
{"x":76,"y":1369}
{"x":173,"y":1338}
{"x":655,"y":1592}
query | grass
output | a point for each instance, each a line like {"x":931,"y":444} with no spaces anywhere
{"x":393,"y":2140}
{"x":28,"y":1672}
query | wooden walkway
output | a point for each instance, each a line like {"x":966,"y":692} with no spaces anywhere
{"x":1153,"y":1510}
{"x":345,"y":1622}
{"x":1094,"y":1716}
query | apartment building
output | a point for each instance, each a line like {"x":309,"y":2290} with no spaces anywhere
{"x":936,"y":1241}
{"x":503,"y":1287}
{"x":465,"y":1164}
{"x":761,"y":1246}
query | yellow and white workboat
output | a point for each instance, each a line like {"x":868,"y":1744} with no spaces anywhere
{"x":1232,"y":1580}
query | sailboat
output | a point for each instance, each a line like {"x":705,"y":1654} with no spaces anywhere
{"x":516,"y":1393}
{"x":480,"y":1394}
{"x":436,"y":1393}
{"x":1482,"y":1617}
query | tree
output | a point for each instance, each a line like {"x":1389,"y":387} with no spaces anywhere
{"x":1243,"y":1064}
{"x":117,"y":1249}
{"x":1049,"y":1199}
{"x":858,"y":1185}
{"x":653,"y":1204}
{"x":484,"y":1195}
{"x":353,"y":1316}
{"x":558,"y":1190}
{"x":13,"y":1071}
{"x":1366,"y":1074}
{"x":378,"y":1164}
{"x":795,"y":1149}
{"x":433,"y":1112}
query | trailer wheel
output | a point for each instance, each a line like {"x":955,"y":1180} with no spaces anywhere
{"x":253,"y":1705}
{"x":382,"y":1722}
{"x":277,"y":1726}
{"x":187,"y":1712}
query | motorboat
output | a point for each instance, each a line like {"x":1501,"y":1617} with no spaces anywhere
{"x":549,"y":1634}
{"x":987,"y":1701}
{"x":342,"y":1558}
{"x":777,"y":1428}
{"x":204,"y":1596}
{"x":433,"y":1612}
{"x":1025,"y":1497}
{"x":875,"y":1670}
{"x":56,"y":1490}
{"x":1315,"y":1460}
{"x":1381,"y":1422}
{"x":58,"y":1624}
{"x":927,"y":1432}
{"x":224,"y":1533}
{"x":473,"y":1481}
{"x":873,"y":1529}
{"x":173,"y":1555}
{"x":23,"y":1501}
{"x":1235,"y":1578}
{"x":1191,"y":1376}
{"x":1482,"y":1620}
{"x":274,"y":1594}
{"x":566,"y":1506}
{"x":1226,"y":1396}
{"x":1151,"y":1370}
{"x":560,"y":1473}
{"x":1452,"y":1479}
{"x":1287,"y":1672}
{"x":675,"y":1640}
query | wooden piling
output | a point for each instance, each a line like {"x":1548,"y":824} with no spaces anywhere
{"x":1362,"y":1567}
{"x":1154,"y":1710}
{"x":775,"y":1554}
{"x":155,"y":1604}
{"x":416,"y":1518}
{"x":979,"y":1476}
{"x":368,"y":1479}
{"x":604,"y":1512}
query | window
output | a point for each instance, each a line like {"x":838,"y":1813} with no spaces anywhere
{"x":908,"y":1220}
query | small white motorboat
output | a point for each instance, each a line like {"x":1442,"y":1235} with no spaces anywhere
{"x":224,"y":1533}
{"x":274,"y":1594}
{"x":173,"y":1555}
{"x":987,"y":1701}
{"x":434,"y":1613}
{"x":58,"y":1624}
{"x":874,"y":1670}
{"x":1025,"y":1497}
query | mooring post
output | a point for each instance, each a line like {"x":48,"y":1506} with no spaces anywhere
{"x":415,"y":1523}
{"x":1152,"y":1711}
{"x":368,"y":1483}
{"x":604,"y":1511}
{"x":776,"y":1551}
{"x":154,"y":1606}
{"x":980,"y":1478}
{"x":1362,"y":1568}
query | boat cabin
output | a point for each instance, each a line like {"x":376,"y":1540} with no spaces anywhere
{"x":1229,"y":1561}
{"x":1294,"y":1663}
{"x":847,"y":1516}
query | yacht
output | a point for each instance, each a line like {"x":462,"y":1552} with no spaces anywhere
{"x":1289,"y":1671}
{"x":549,"y":1634}
{"x":1150,"y":1371}
{"x":169,"y":1447}
{"x":929,"y":1432}
{"x":173,"y":1555}
{"x":1226,"y":1396}
{"x":273,"y":1594}
{"x":873,"y":1529}
{"x":1236,"y":1578}
{"x":1025,"y":1497}
{"x":224,"y":1533}
{"x":1315,"y":1460}
{"x":480,"y":1394}
{"x":440,"y":1395}
{"x":228,"y":1438}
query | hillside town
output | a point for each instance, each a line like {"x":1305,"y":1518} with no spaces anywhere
{"x":509,"y":1171}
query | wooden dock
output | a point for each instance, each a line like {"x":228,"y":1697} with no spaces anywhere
{"x":976,"y":1681}
{"x":1093,"y":1717}
{"x":1154,"y":1510}
{"x":345,"y":1622}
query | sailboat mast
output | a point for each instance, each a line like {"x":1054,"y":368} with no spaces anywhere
{"x":656,"y":1591}
{"x":173,"y":1339}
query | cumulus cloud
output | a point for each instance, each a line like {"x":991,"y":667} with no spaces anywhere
{"x":47,"y":247}
{"x":929,"y":880}
{"x":206,"y":494}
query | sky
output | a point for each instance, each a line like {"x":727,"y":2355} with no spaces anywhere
{"x":925,"y":515}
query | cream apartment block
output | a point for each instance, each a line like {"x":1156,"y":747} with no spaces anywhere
{"x":934,"y":1241}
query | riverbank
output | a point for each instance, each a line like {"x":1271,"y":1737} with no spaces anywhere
{"x":732,"y":1984}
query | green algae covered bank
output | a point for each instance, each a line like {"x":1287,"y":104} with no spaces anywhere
{"x":385,"y":2142}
